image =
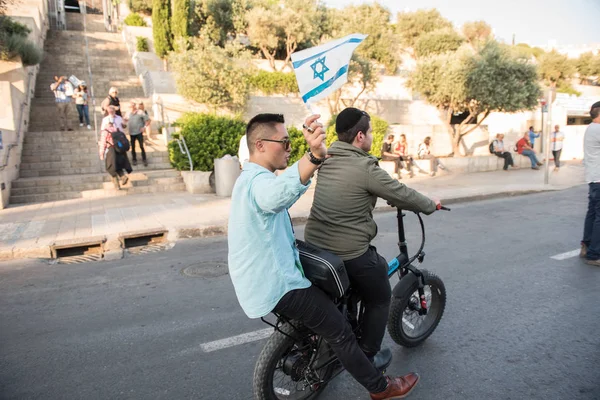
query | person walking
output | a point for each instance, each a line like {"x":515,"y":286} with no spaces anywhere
{"x":63,"y":92}
{"x":525,"y":148}
{"x":81,"y":102}
{"x":138,"y":121}
{"x":148,"y":129}
{"x":116,"y":162}
{"x":590,"y":245}
{"x":497,"y":147}
{"x":557,"y":138}
{"x":111,"y":100}
{"x":113,"y":118}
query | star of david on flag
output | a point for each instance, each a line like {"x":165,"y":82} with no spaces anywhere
{"x":323,"y":69}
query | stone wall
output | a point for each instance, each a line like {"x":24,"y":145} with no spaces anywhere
{"x":17,"y":85}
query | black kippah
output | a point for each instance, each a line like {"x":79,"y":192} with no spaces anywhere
{"x":348,"y":119}
{"x":595,"y":105}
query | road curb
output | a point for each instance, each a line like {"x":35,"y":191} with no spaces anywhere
{"x":113,"y":249}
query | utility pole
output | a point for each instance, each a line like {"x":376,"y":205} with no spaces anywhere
{"x":548,"y":132}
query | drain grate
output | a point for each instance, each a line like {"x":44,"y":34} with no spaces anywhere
{"x":152,"y":248}
{"x":79,"y":259}
{"x":206,"y":269}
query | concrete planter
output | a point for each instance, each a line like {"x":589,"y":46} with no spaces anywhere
{"x":197,"y":182}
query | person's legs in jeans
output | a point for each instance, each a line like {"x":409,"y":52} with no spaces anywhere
{"x":318,"y":313}
{"x":133,"y":140}
{"x":591,"y":230}
{"x":368,"y":274}
{"x":80,"y":112}
{"x":532,"y":157}
{"x":556,"y":155}
{"x":86,"y":114}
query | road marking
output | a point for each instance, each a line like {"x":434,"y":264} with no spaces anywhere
{"x":567,"y":255}
{"x":236,"y":340}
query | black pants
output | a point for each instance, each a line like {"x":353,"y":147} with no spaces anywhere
{"x":140,"y":139}
{"x":591,"y":228}
{"x":368,"y":275}
{"x":396,"y":160}
{"x":508,"y":161}
{"x":556,"y":154}
{"x":318,"y":313}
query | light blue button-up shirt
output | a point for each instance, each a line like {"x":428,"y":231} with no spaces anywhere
{"x":264,"y":263}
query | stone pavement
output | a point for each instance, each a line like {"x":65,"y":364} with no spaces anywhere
{"x":28,"y":231}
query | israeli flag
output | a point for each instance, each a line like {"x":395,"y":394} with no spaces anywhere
{"x":323,"y":69}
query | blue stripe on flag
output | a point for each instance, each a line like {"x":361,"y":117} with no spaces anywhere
{"x":326,"y":84}
{"x":302,"y":62}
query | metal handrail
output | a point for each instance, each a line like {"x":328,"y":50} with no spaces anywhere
{"x":165,"y":121}
{"x":20,"y":122}
{"x":91,"y":77}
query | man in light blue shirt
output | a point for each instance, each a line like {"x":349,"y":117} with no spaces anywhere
{"x":533,"y":136}
{"x":264,"y":264}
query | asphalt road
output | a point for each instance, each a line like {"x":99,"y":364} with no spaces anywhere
{"x":518,"y":324}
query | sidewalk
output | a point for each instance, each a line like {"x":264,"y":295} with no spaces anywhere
{"x":29,"y":231}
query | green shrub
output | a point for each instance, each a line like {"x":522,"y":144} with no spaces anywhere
{"x":299,"y":145}
{"x":274,"y":82}
{"x":12,"y":27}
{"x":161,"y":27}
{"x":142,"y":44}
{"x":143,"y":6}
{"x":379,"y":126}
{"x":207,"y":136}
{"x":134,"y":19}
{"x":17,"y":45}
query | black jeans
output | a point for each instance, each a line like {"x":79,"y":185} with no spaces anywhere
{"x":396,"y":160}
{"x":318,"y":313}
{"x":508,"y":161}
{"x":591,"y":229}
{"x":140,"y":139}
{"x":556,"y":155}
{"x":368,"y":275}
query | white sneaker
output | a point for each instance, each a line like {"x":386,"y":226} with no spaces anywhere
{"x":89,"y":127}
{"x":80,"y":124}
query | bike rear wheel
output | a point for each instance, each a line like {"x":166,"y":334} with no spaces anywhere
{"x":405,"y":325}
{"x":283,"y":372}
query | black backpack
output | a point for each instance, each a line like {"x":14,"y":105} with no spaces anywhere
{"x":120,"y":142}
{"x":491,"y":147}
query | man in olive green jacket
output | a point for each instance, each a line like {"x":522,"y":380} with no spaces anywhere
{"x":341,"y":219}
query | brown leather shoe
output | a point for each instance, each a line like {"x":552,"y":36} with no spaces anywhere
{"x":583,"y":252}
{"x":398,"y":388}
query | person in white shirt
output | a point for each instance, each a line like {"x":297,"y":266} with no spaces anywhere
{"x":424,"y":153}
{"x":557,"y":138}
{"x":114,"y":118}
{"x":590,"y":245}
{"x":243,"y":152}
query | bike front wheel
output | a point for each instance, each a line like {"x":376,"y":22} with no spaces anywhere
{"x":405,"y":325}
{"x":284,"y":370}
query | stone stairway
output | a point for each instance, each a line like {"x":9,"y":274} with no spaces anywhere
{"x":60,"y":165}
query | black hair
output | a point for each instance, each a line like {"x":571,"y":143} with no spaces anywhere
{"x":594,"y":112}
{"x":361,"y":126}
{"x":260,"y":126}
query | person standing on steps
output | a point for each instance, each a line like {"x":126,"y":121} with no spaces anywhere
{"x":81,"y":102}
{"x":116,"y":162}
{"x":590,"y":245}
{"x":63,"y":92}
{"x":116,"y":120}
{"x":148,"y":128}
{"x":112,"y":100}
{"x":138,"y":120}
{"x":557,"y":138}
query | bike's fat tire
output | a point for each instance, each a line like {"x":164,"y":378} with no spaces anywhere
{"x":400,"y":303}
{"x":274,"y":350}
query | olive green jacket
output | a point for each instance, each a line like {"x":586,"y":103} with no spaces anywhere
{"x":348,"y":185}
